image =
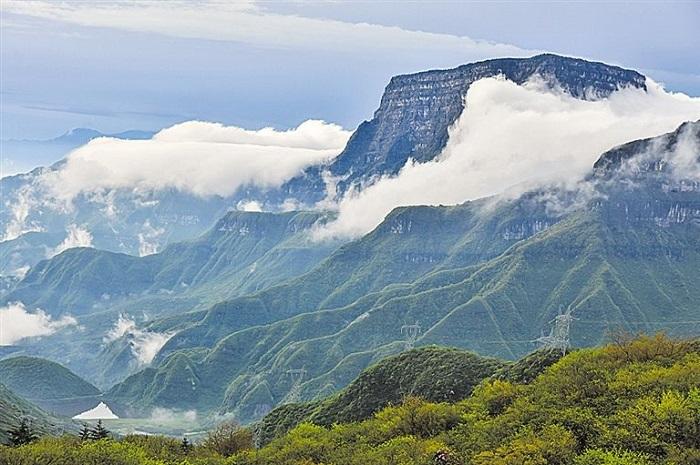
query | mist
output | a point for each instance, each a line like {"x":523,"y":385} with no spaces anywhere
{"x":18,"y":323}
{"x":144,"y":344}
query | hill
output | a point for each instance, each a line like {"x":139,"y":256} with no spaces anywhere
{"x":13,"y":408}
{"x":634,"y":403}
{"x":626,"y":256}
{"x":48,"y":385}
{"x":436,"y":374}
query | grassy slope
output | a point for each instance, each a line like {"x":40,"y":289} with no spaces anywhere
{"x":432,"y":373}
{"x":13,"y":408}
{"x":48,"y":384}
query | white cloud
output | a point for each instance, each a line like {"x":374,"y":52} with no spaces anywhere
{"x":19,"y":207}
{"x":249,"y":24}
{"x":249,"y":206}
{"x":17,"y":323}
{"x":144,"y":344}
{"x":196,"y":157}
{"x":76,"y":237}
{"x":165,"y":415}
{"x":149,"y":239}
{"x":510,"y":136}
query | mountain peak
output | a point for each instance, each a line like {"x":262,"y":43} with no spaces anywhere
{"x":417,"y":109}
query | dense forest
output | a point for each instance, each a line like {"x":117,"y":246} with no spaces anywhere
{"x":632,"y":402}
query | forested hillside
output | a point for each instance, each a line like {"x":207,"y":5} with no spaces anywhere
{"x":632,"y":402}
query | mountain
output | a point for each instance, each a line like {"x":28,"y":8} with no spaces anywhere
{"x":632,"y":402}
{"x":433,"y":373}
{"x":411,"y":122}
{"x":242,"y":253}
{"x":49,"y":385}
{"x":14,"y":408}
{"x":48,"y":151}
{"x":488,"y":276}
{"x":416,"y":111}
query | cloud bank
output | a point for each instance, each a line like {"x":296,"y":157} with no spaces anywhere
{"x":197,"y":157}
{"x":17,"y":323}
{"x":246,"y":22}
{"x":144,"y":344}
{"x":512,"y":137}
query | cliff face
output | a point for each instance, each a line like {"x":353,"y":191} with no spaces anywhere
{"x":417,"y":109}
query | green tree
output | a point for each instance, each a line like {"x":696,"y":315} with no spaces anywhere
{"x":22,"y":434}
{"x":99,"y":432}
{"x":229,"y":438}
{"x":185,"y":446}
{"x":84,"y":432}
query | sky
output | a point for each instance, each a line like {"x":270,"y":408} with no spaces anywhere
{"x":146,"y":65}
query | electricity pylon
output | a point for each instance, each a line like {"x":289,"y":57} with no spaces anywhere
{"x":558,"y":337}
{"x":297,"y":376}
{"x":410,"y":334}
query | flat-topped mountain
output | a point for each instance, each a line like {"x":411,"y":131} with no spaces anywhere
{"x":417,"y":109}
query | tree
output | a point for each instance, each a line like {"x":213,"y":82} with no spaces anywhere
{"x":99,"y":432}
{"x":229,"y":438}
{"x":23,"y":434}
{"x":185,"y":446}
{"x":85,"y":432}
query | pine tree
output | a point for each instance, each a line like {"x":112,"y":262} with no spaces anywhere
{"x":85,"y":432}
{"x":185,"y":446}
{"x":99,"y":432}
{"x":23,"y":434}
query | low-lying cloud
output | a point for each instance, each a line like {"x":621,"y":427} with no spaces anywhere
{"x":144,"y":344}
{"x":199,"y":158}
{"x":17,"y":323}
{"x":196,"y":157}
{"x":514,"y":138}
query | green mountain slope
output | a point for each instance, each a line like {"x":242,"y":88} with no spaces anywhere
{"x":635,"y":402}
{"x":628,"y":257}
{"x":243,"y":252}
{"x":436,"y":374}
{"x":48,"y":385}
{"x":13,"y":408}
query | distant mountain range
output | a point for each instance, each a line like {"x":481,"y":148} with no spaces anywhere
{"x":48,"y":151}
{"x":240,"y":312}
{"x":411,"y":122}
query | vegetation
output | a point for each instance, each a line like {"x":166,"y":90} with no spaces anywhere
{"x":23,"y":434}
{"x":38,"y":378}
{"x":633,"y":402}
{"x":49,"y":385}
{"x":435,"y":374}
{"x":14,"y":409}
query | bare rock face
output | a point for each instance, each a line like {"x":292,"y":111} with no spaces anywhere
{"x":417,"y":109}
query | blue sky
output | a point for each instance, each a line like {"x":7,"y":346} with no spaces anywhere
{"x":115,"y":65}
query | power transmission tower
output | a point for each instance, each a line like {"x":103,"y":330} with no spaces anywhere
{"x":558,"y":337}
{"x":410,"y":334}
{"x":297,"y":376}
